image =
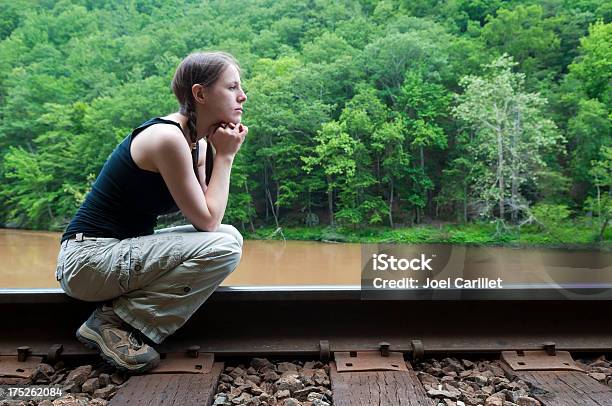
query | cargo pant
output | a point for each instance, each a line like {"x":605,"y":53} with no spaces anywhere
{"x":156,"y":282}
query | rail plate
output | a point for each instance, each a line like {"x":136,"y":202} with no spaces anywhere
{"x":175,"y":363}
{"x":540,"y":361}
{"x":369,"y":361}
{"x":10,"y":367}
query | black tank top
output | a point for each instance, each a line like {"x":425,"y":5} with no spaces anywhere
{"x":125,"y":200}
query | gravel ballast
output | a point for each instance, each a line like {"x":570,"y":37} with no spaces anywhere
{"x":262,"y":382}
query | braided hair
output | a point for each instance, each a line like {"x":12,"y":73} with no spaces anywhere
{"x":202,"y":68}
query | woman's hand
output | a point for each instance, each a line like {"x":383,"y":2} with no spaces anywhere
{"x":228,"y":138}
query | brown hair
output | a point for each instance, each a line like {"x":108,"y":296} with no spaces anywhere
{"x":202,"y":68}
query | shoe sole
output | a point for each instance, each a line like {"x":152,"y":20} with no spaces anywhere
{"x":92,"y":340}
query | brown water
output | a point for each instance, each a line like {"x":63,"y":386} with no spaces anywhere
{"x":28,"y":261}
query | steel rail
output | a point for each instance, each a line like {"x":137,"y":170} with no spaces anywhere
{"x":293,"y":321}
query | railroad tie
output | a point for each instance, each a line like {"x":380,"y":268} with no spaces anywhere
{"x":185,"y":389}
{"x":383,"y":388}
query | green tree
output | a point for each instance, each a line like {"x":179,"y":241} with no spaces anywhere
{"x":334,"y":154}
{"x":510,"y":130}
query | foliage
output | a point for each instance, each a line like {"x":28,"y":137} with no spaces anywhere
{"x":351,"y":110}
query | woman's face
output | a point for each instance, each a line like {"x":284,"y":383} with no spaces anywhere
{"x":226,"y":97}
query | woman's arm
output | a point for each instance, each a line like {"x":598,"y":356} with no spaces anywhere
{"x":170,"y":154}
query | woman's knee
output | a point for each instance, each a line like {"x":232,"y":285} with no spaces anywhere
{"x":233,"y":231}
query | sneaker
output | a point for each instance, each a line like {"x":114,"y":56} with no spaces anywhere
{"x":123,"y":349}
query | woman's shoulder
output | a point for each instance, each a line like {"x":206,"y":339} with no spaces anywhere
{"x":155,"y":141}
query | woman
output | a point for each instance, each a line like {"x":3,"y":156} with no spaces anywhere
{"x":152,"y":282}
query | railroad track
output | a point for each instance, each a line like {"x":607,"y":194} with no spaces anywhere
{"x":360,"y":340}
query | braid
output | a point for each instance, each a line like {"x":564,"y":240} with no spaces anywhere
{"x":193,"y":135}
{"x":191,"y":125}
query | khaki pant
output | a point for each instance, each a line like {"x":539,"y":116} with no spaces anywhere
{"x":156,"y":282}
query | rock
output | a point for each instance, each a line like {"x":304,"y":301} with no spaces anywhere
{"x":488,"y":390}
{"x":253,"y":378}
{"x":313,"y":365}
{"x":494,"y":401}
{"x":325,"y":391}
{"x":236,"y":372}
{"x":428,"y":379}
{"x":284,"y":393}
{"x":496,"y":370}
{"x":79,"y":375}
{"x":271,"y":376}
{"x":315,"y":395}
{"x":59,"y":377}
{"x":604,"y":370}
{"x":451,"y":389}
{"x":441,"y":394}
{"x":302,"y":394}
{"x":91,"y":385}
{"x":453,"y":364}
{"x":117,"y":378}
{"x":286,"y":367}
{"x":42,"y":373}
{"x":242,"y":399}
{"x":321,"y":377}
{"x":223,"y":387}
{"x":97,"y":402}
{"x":289,"y":382}
{"x":481,"y":380}
{"x":268,"y":387}
{"x":259,"y":363}
{"x":106,"y":392}
{"x":45,"y":402}
{"x":514,"y":395}
{"x":527,"y":401}
{"x":435,"y":371}
{"x":234,"y":393}
{"x":291,"y":402}
{"x":104,"y":379}
{"x":447,"y":379}
{"x":253,"y":402}
{"x":71,"y":388}
{"x":68,"y":400}
{"x":471,"y":400}
{"x":467,"y":363}
{"x":220,"y":400}
{"x":601,"y":377}
{"x":226,"y":378}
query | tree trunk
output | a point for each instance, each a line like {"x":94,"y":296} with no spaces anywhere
{"x":391,"y":205}
{"x":272,"y":205}
{"x":277,"y":205}
{"x":500,"y":173}
{"x":266,"y":188}
{"x":246,"y":187}
{"x":465,"y":202}
{"x":425,"y":194}
{"x":603,"y":229}
{"x":330,"y":204}
{"x":514,"y":212}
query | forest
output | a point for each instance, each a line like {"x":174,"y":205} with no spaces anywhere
{"x":470,"y":117}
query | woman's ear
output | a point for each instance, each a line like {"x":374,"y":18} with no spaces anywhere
{"x":197,"y":91}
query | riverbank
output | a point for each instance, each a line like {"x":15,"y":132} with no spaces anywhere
{"x":571,"y":235}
